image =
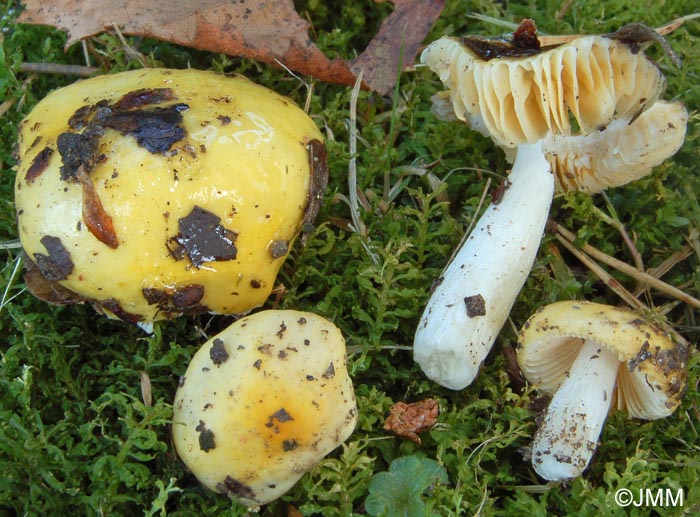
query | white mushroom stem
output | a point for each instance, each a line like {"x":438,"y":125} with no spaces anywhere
{"x":474,"y":295}
{"x":566,"y":440}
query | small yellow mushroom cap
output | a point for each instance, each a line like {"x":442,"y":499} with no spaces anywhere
{"x":262,"y":402}
{"x":650,"y":383}
{"x":155,"y":193}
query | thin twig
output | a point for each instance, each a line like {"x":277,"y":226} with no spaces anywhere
{"x":130,"y":51}
{"x":603,"y":275}
{"x":58,"y":68}
{"x":666,"y":266}
{"x":615,"y":222}
{"x":668,"y":28}
{"x":551,"y":40}
{"x":568,"y":237}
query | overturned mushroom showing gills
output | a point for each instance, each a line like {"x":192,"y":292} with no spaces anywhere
{"x":262,"y":402}
{"x":623,"y":152}
{"x":155,"y":193}
{"x":525,"y":98}
{"x":592,"y":358}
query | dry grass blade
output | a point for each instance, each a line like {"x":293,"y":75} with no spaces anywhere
{"x":563,"y":10}
{"x":14,"y":244}
{"x":128,"y":49}
{"x":668,"y":28}
{"x":146,"y":393}
{"x":6,"y":299}
{"x":567,"y":238}
{"x":58,"y":68}
{"x":6,"y":105}
{"x":620,"y":290}
{"x":473,"y":222}
{"x":598,"y":271}
{"x":675,"y":24}
{"x":358,"y":225}
{"x":667,"y":265}
{"x":617,"y":224}
{"x":309,"y":86}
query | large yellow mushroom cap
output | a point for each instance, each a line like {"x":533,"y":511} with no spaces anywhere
{"x":652,"y":378}
{"x":154,"y":193}
{"x":262,"y":402}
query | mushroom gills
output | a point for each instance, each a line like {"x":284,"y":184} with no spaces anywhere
{"x":641,"y":398}
{"x":565,"y":442}
{"x":577,"y":87}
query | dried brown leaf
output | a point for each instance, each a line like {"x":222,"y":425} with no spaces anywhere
{"x":271,"y":32}
{"x":408,"y":420}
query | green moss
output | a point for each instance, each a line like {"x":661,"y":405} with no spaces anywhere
{"x":76,"y":435}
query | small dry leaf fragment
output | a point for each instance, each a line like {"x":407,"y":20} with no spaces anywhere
{"x":408,"y":420}
{"x":203,"y":239}
{"x":476,"y":305}
{"x":47,"y":290}
{"x":524,"y":43}
{"x":146,"y":393}
{"x":41,"y":161}
{"x":57,"y":265}
{"x":96,"y":218}
{"x":271,"y":32}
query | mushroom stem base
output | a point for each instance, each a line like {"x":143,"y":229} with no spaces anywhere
{"x":566,"y":441}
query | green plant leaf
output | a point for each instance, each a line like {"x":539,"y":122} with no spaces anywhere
{"x":398,"y":492}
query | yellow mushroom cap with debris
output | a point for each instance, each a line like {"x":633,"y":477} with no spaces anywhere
{"x":156,"y":193}
{"x":262,"y":402}
{"x":591,"y":358}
